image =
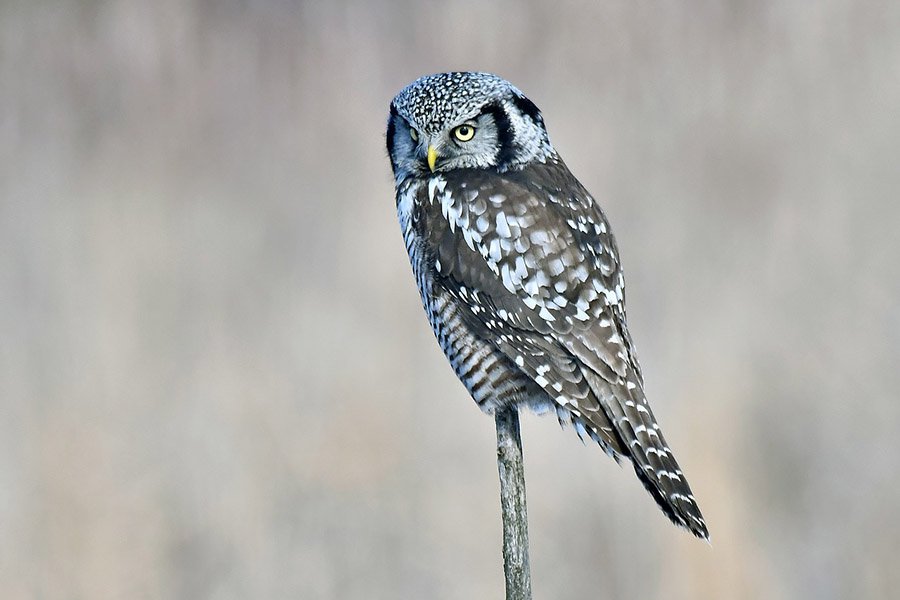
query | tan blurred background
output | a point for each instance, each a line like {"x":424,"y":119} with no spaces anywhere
{"x":216,"y":380}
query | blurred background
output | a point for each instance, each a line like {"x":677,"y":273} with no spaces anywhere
{"x":217,"y":381}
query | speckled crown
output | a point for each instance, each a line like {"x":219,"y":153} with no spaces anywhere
{"x":434,"y":101}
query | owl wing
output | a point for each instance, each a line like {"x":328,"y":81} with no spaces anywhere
{"x":530,"y":256}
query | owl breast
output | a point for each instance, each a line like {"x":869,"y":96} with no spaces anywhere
{"x":491,"y":378}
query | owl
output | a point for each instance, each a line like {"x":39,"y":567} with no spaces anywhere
{"x":519,"y":272}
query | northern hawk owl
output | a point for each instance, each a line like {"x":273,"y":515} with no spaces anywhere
{"x":519,"y":272}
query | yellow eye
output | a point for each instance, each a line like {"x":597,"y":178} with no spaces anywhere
{"x":413,"y":134}
{"x":464,"y":133}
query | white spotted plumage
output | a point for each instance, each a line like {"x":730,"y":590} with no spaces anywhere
{"x":519,"y":273}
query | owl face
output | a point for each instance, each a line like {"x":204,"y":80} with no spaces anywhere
{"x":454,"y":121}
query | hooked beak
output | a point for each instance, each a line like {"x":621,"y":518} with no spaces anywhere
{"x":432,"y":157}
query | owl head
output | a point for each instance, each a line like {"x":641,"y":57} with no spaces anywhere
{"x":463,"y":120}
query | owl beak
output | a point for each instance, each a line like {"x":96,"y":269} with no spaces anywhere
{"x":432,"y":157}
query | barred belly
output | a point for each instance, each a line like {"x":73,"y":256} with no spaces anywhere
{"x":491,"y":378}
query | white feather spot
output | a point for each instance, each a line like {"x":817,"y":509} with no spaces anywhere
{"x":503,"y":225}
{"x":539,"y":236}
{"x":435,"y":184}
{"x":494,"y":253}
{"x":468,"y":236}
{"x":521,"y":269}
{"x":581,"y":272}
{"x":507,"y":279}
{"x":556,"y":267}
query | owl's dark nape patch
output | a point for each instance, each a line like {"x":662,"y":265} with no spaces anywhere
{"x":505,"y":136}
{"x":528,"y":108}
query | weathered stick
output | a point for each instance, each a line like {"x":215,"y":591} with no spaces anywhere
{"x":512,"y":503}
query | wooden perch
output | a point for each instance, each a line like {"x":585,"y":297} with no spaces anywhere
{"x":512,"y":502}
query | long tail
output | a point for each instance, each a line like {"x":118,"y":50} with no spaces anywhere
{"x":627,"y":410}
